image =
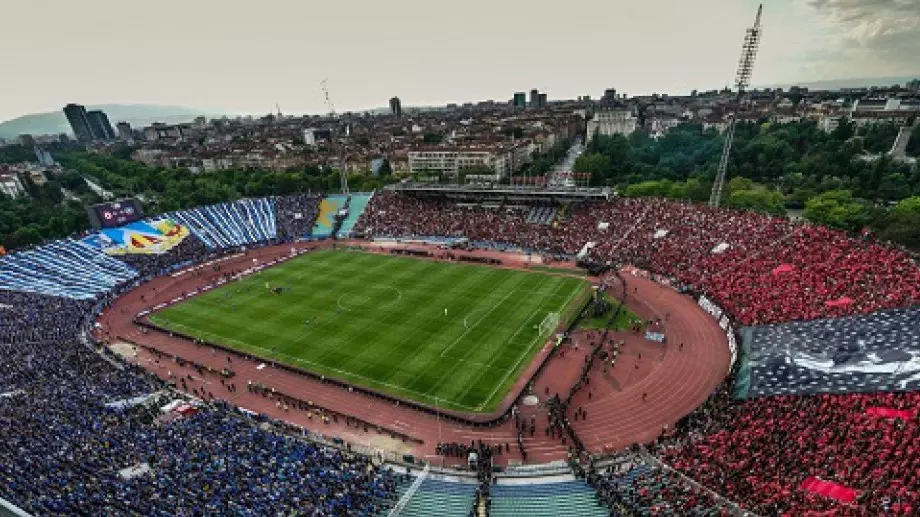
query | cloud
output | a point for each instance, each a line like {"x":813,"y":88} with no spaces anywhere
{"x":869,"y":36}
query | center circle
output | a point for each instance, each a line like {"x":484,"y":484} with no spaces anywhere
{"x":369,"y":297}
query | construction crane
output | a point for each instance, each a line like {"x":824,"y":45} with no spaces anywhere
{"x":742,"y":81}
{"x":343,"y":175}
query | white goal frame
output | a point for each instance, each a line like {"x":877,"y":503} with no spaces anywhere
{"x":549,"y":324}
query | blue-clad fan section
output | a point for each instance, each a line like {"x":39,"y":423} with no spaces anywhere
{"x":226,"y":225}
{"x":65,"y":268}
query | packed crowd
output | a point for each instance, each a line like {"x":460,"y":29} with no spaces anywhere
{"x":295,"y":215}
{"x":760,"y":268}
{"x":190,"y":251}
{"x":637,"y":488}
{"x":759,"y":453}
{"x":70,"y":435}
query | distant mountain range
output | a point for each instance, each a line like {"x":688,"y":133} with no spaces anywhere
{"x":53,"y":122}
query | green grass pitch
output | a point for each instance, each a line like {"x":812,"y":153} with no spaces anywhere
{"x":379,"y":321}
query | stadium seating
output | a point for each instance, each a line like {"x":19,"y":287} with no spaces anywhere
{"x":228,"y":225}
{"x":761,"y":269}
{"x":325,"y":221}
{"x":65,"y":440}
{"x":63,"y":268}
{"x":442,"y":498}
{"x":356,"y":204}
{"x":295,"y":215}
{"x":636,"y":487}
{"x":761,"y":453}
{"x":541,"y":215}
{"x":545,"y":499}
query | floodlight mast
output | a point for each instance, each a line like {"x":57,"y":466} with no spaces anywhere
{"x":343,"y":156}
{"x":742,"y":81}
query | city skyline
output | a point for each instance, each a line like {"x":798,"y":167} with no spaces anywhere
{"x":236,"y":57}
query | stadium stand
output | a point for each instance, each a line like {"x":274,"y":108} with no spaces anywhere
{"x":357,"y":202}
{"x":66,"y":268}
{"x":737,"y":257}
{"x":440,"y":497}
{"x":325,"y":221}
{"x":190,"y":250}
{"x":295,"y":215}
{"x":635,"y":486}
{"x":69,"y":439}
{"x":876,"y":352}
{"x":70,"y":427}
{"x":545,"y":499}
{"x":764,"y":452}
{"x":226,"y":225}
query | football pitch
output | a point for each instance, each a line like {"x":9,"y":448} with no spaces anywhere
{"x":448,"y":334}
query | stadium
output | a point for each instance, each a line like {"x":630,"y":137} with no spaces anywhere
{"x":426,"y":350}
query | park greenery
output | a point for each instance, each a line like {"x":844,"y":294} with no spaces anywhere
{"x":47,"y":213}
{"x":842,"y":179}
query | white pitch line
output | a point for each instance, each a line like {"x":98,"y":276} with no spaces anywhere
{"x":521,"y":358}
{"x":465,"y":332}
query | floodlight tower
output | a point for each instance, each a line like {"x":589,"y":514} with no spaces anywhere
{"x":742,"y":81}
{"x":343,"y":176}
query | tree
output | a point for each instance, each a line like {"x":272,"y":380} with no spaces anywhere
{"x":432,"y":138}
{"x":902,"y":224}
{"x":913,"y":145}
{"x":837,"y":209}
{"x":596,"y":164}
{"x":760,"y":199}
{"x":385,"y":168}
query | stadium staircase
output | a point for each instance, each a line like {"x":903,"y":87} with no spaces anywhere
{"x":227,"y":225}
{"x":541,"y":215}
{"x":545,"y":500}
{"x":67,"y":268}
{"x":356,"y":205}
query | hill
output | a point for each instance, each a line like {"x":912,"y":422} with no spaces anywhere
{"x":53,"y":122}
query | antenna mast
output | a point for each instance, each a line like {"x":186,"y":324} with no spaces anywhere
{"x":742,"y":81}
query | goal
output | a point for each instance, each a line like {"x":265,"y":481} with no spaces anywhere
{"x":549,"y":323}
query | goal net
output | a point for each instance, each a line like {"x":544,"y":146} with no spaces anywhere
{"x":549,"y":323}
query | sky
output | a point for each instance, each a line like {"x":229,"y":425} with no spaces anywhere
{"x":246,"y":56}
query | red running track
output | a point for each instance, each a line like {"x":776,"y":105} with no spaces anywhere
{"x":676,"y":381}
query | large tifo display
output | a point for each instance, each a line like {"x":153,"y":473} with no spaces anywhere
{"x":115,"y":214}
{"x":153,"y":236}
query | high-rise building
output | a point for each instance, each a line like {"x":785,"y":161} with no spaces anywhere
{"x":124,"y":131}
{"x":541,"y":100}
{"x":99,"y":125}
{"x":396,"y":106}
{"x":27,"y":140}
{"x":76,"y":116}
{"x":535,"y":98}
{"x":520,"y":100}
